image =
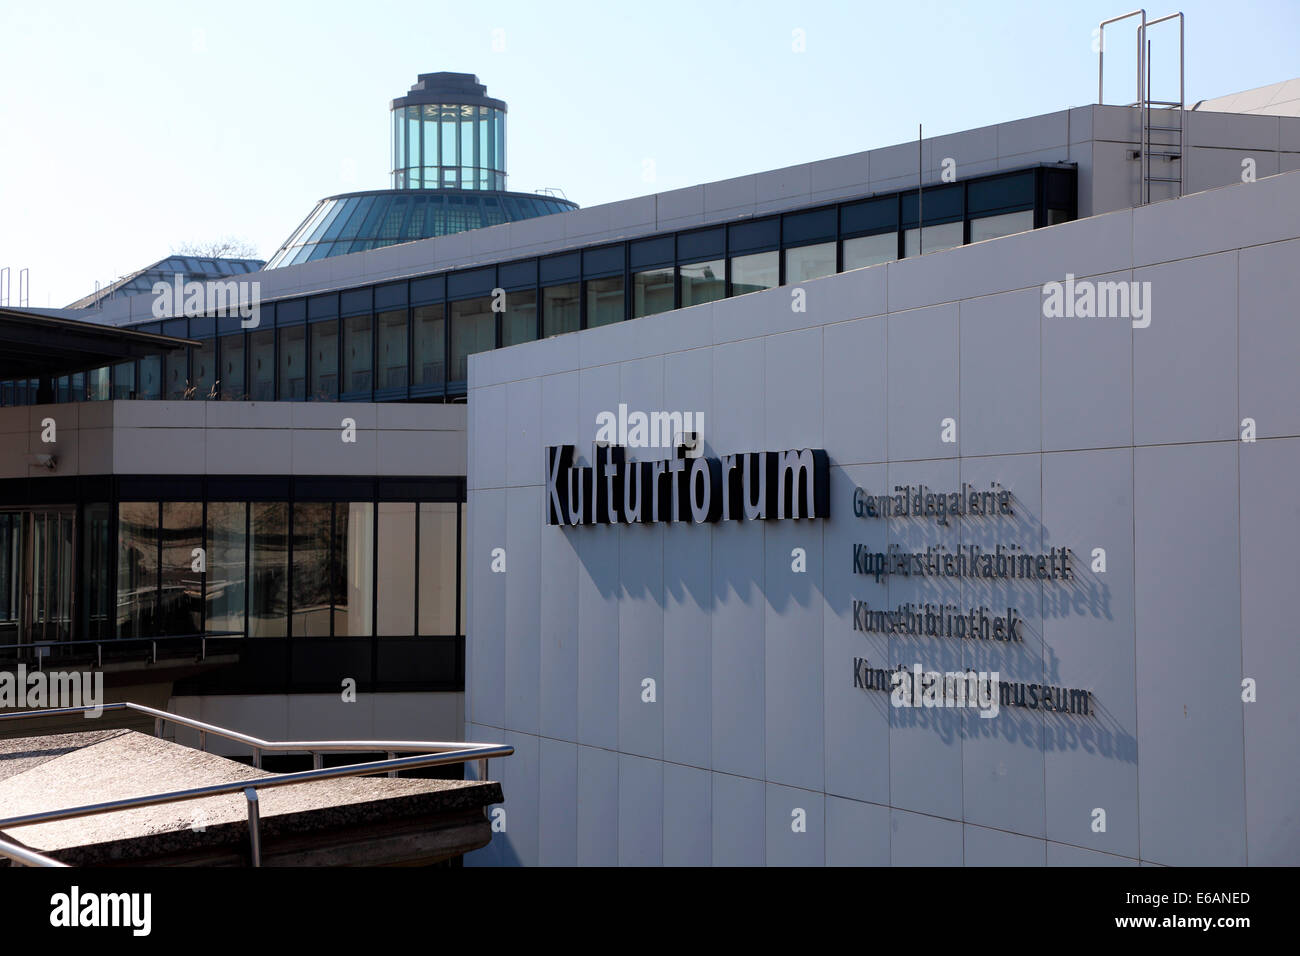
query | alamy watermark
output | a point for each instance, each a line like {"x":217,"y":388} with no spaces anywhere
{"x":242,"y":297}
{"x":1087,"y":299}
{"x":22,"y":690}
{"x":638,"y":429}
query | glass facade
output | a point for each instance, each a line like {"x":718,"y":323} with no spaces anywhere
{"x":411,"y":339}
{"x":449,"y":146}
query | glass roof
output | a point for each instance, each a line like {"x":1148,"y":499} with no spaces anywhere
{"x":361,"y":221}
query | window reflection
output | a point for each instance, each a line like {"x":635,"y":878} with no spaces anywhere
{"x":324,"y":361}
{"x":870,"y":250}
{"x":428,"y":346}
{"x":1007,"y":224}
{"x":395,"y":574}
{"x":519,"y":321}
{"x":652,"y":292}
{"x":560,"y":309}
{"x":261,"y":366}
{"x":935,"y":238}
{"x":438,"y":550}
{"x":604,"y":301}
{"x":137,"y":568}
{"x":293,"y":363}
{"x":473,"y":329}
{"x":232,"y":367}
{"x":357,"y":354}
{"x":268,"y":599}
{"x":702,"y":282}
{"x":809,"y":262}
{"x":754,"y":273}
{"x":311,"y":569}
{"x":227,"y":566}
{"x":181,"y":589}
{"x":352,"y":569}
{"x":392,"y":349}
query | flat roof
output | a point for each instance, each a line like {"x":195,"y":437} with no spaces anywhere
{"x":35,"y":345}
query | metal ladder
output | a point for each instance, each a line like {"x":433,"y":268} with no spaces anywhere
{"x":1147,"y":104}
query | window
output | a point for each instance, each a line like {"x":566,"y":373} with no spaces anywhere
{"x":652,"y":292}
{"x":392,"y":349}
{"x":358,"y":367}
{"x":311,"y":569}
{"x":473,"y":329}
{"x":268,"y":598}
{"x":98,"y":384}
{"x":703,"y":282}
{"x":560,"y":309}
{"x":150,"y":377}
{"x":438,"y":554}
{"x":261,"y":366}
{"x":870,"y":250}
{"x":223,"y":592}
{"x":324,"y":361}
{"x":182,"y":533}
{"x":293,"y":363}
{"x":993,"y":227}
{"x":753,"y":273}
{"x":932,"y":239}
{"x":97,"y":571}
{"x":124,"y":380}
{"x":137,"y":568}
{"x":429,"y":346}
{"x":177,"y":374}
{"x":204,"y":366}
{"x":352,"y":569}
{"x":809,"y":262}
{"x":232,"y":367}
{"x":395,"y":575}
{"x":519,"y":321}
{"x":604,"y":301}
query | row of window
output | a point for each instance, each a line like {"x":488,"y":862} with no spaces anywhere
{"x":449,"y":146}
{"x":276,"y":569}
{"x":412,"y":340}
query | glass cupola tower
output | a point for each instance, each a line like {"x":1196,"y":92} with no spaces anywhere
{"x":448,"y":141}
{"x":449,"y":134}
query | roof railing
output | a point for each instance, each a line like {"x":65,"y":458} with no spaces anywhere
{"x":428,"y":754}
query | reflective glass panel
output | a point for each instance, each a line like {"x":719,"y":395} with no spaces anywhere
{"x":473,"y":329}
{"x":227,"y":566}
{"x":324,"y":361}
{"x":293,"y":363}
{"x":232,"y":367}
{"x":428,"y":345}
{"x":268,"y":580}
{"x":519,"y":321}
{"x":438,"y":552}
{"x":809,"y":262}
{"x":261,"y":365}
{"x":755,"y":272}
{"x":395,"y":576}
{"x":353,"y":569}
{"x":137,"y":568}
{"x":392,"y":349}
{"x":311,"y":569}
{"x":182,"y":586}
{"x":652,"y":292}
{"x":560,"y":309}
{"x":937,"y":238}
{"x":604,"y":301}
{"x":1007,"y":224}
{"x":702,"y":281}
{"x":358,"y":365}
{"x":870,"y":250}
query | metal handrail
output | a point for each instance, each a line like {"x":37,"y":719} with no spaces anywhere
{"x":434,"y":753}
{"x":99,"y":643}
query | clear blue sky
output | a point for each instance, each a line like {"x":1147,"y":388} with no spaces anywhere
{"x":126,"y":128}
